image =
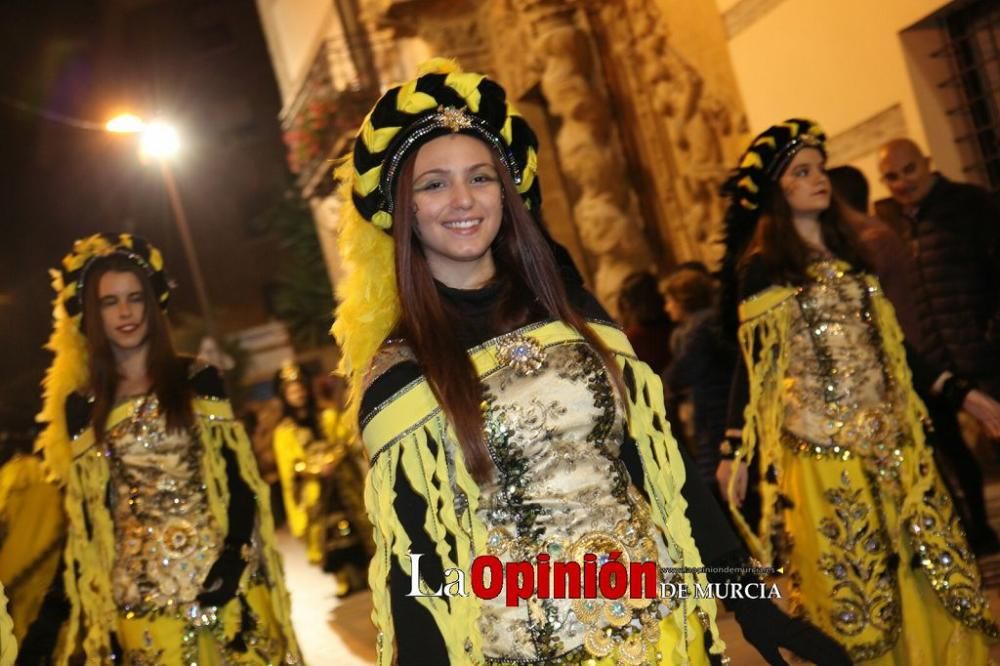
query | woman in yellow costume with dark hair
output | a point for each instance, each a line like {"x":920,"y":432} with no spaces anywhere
{"x":502,"y":412}
{"x":851,"y":501}
{"x":170,"y":555}
{"x":322,"y":482}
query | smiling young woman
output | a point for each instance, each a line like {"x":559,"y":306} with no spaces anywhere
{"x":457,"y":209}
{"x":502,"y":411}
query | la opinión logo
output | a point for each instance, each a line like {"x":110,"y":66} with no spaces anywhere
{"x":490,"y":577}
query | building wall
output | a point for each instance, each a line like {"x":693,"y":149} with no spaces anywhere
{"x":294,"y":31}
{"x":695,"y":30}
{"x":862,"y":69}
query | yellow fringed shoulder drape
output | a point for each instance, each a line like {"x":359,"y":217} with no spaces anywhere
{"x":90,"y":548}
{"x":396,"y":438}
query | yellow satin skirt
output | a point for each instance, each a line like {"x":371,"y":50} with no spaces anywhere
{"x":173,"y":641}
{"x":842,"y":534}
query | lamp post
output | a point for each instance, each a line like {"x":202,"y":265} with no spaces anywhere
{"x":159,"y":142}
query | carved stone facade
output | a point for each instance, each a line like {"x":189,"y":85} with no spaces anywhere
{"x":605,"y":208}
{"x":636,"y":137}
{"x":684,"y":130}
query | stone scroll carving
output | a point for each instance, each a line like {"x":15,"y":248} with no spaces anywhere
{"x":604,"y":203}
{"x":452,"y":28}
{"x":699,"y":131}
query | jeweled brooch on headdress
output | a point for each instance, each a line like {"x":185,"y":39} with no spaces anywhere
{"x":452,"y":118}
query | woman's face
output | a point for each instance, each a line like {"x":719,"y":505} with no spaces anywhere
{"x":674,"y":309}
{"x":457,"y":201}
{"x":805,"y":184}
{"x":123,"y":309}
{"x":295,"y":395}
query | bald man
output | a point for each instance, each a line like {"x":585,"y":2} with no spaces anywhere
{"x":953,"y":231}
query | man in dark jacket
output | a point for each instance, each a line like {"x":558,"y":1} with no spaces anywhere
{"x":953,"y":230}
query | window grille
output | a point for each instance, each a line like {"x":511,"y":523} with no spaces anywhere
{"x":972,"y":48}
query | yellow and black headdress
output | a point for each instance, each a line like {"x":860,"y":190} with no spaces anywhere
{"x":69,"y":369}
{"x":749,"y":184}
{"x":766,"y":158}
{"x":74,"y":267}
{"x":289,"y":372}
{"x":442,"y":99}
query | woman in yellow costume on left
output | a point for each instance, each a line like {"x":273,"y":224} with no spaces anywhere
{"x":32,"y":535}
{"x":8,"y":647}
{"x":170,"y":554}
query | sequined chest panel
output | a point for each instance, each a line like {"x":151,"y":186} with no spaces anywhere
{"x":554,"y":430}
{"x":838,"y":398}
{"x":166,"y":539}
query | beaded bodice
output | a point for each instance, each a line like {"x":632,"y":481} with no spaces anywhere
{"x":166,"y":539}
{"x":555,"y":429}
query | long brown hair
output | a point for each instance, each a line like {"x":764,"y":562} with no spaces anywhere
{"x":530,"y":282}
{"x":777,"y":244}
{"x":168,"y":372}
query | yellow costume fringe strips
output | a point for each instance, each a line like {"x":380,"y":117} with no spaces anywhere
{"x":398,"y":437}
{"x":764,"y":339}
{"x":8,"y":648}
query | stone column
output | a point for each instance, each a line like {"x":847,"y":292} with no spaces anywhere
{"x":605,"y":207}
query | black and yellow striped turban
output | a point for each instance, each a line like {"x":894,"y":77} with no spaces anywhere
{"x":76,"y":264}
{"x":441,"y":100}
{"x":768,"y":155}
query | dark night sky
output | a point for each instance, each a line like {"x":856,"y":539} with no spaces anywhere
{"x":203,"y":64}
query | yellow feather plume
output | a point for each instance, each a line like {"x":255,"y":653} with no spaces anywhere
{"x":368,"y":301}
{"x":68,"y":372}
{"x":438,"y":66}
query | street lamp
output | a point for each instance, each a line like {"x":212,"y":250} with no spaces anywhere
{"x":160,"y":142}
{"x":125,"y":123}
